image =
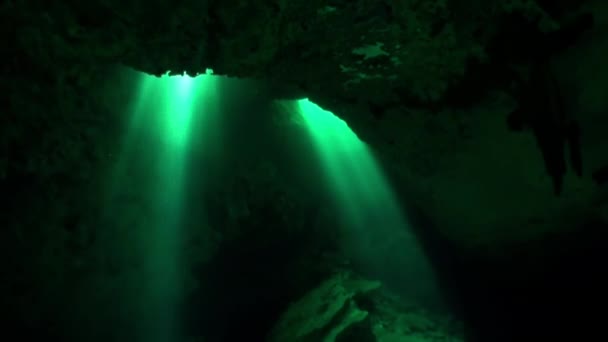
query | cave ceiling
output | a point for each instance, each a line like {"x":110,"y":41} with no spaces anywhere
{"x":440,"y":89}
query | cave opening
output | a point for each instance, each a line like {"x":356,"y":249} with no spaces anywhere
{"x":187,"y":153}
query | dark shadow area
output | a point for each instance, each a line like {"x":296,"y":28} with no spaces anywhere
{"x":245,"y":288}
{"x":545,"y":290}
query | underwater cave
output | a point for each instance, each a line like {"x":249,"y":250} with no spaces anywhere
{"x":334,"y":171}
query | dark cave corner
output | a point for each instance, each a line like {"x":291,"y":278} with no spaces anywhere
{"x":546,"y":289}
{"x":244,"y":292}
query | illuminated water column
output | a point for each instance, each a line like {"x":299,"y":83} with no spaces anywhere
{"x":365,"y":201}
{"x":156,"y":146}
{"x":173,"y":116}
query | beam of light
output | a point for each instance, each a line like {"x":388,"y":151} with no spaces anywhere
{"x":365,"y":201}
{"x":172,"y":100}
{"x":153,"y":165}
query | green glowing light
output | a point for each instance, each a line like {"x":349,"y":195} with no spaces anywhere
{"x":357,"y":180}
{"x":157,"y":139}
{"x":328,"y":128}
{"x":179,"y":92}
{"x":366,"y":203}
{"x":350,"y":167}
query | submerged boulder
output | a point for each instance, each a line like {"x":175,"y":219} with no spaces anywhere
{"x":346,"y":307}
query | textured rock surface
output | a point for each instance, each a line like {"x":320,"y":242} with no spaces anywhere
{"x":346,"y":307}
{"x":325,"y":312}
